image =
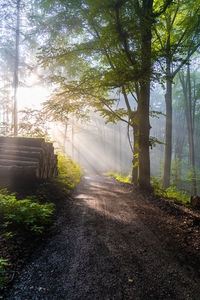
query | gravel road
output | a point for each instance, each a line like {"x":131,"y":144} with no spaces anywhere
{"x":110,"y":244}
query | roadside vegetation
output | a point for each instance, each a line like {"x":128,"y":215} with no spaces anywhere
{"x":121,"y":177}
{"x":30,"y":214}
{"x":174,"y":193}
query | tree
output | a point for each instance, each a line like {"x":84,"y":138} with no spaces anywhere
{"x":33,"y":123}
{"x":107,"y":48}
{"x":13,"y":40}
{"x":16,"y":66}
{"x":177,"y":36}
{"x":189,"y":107}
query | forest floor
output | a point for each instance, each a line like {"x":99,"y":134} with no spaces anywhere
{"x":110,"y":241}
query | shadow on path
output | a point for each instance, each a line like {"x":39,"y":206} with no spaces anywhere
{"x":104,"y":251}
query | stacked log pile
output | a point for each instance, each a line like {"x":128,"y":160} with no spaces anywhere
{"x":26,"y":159}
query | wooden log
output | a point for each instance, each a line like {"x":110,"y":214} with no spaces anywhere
{"x":18,"y":172}
{"x":10,"y":147}
{"x":21,"y":153}
{"x":6,"y":162}
{"x":34,"y":142}
{"x":17,"y":157}
{"x":32,"y":156}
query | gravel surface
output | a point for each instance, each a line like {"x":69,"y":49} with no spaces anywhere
{"x":114,"y":243}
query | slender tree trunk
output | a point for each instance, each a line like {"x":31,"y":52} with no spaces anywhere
{"x":16,"y":70}
{"x":189,"y":119}
{"x":168,"y":129}
{"x":65,"y":138}
{"x":143,"y":137}
{"x":115,"y":149}
{"x":135,"y":155}
{"x":191,"y":134}
{"x":120,"y":150}
{"x":144,"y":97}
{"x":72,"y":139}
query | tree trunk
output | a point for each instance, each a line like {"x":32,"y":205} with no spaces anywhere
{"x":144,"y":96}
{"x":16,"y":69}
{"x":120,"y":150}
{"x":189,"y":119}
{"x":72,"y":139}
{"x":135,"y":155}
{"x":143,"y":137}
{"x":191,"y":134}
{"x":168,"y":130}
{"x":65,"y":137}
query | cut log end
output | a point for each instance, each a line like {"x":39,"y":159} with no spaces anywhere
{"x":23,"y":159}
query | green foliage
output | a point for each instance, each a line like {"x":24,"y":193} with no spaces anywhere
{"x":181,"y":196}
{"x":120,"y":177}
{"x":33,"y":123}
{"x":154,"y":141}
{"x":31,"y":215}
{"x":176,"y":168}
{"x":171,"y":192}
{"x":174,"y":191}
{"x":69,"y":172}
{"x":3,"y":264}
{"x":191,"y":176}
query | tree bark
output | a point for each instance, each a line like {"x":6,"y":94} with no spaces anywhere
{"x":72,"y":139}
{"x":143,"y":137}
{"x":144,"y":96}
{"x":168,"y":129}
{"x":16,"y":69}
{"x":65,"y":137}
{"x":189,"y":119}
{"x":135,"y":155}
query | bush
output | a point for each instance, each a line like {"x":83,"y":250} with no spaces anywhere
{"x":34,"y":212}
{"x":3,"y":264}
{"x":33,"y":216}
{"x":171,"y":192}
{"x":120,"y":177}
{"x":69,"y":172}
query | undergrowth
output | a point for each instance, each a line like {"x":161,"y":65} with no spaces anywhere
{"x":120,"y":177}
{"x":69,"y":172}
{"x":171,"y":192}
{"x":34,"y":211}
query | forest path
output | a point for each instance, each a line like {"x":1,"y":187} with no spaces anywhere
{"x":111,"y":244}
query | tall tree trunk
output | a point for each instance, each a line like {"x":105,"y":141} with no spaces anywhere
{"x":168,"y":129}
{"x":135,"y":155}
{"x":189,"y":119}
{"x":191,"y":134}
{"x":16,"y":69}
{"x":120,"y":150}
{"x":133,"y":121}
{"x":72,"y":139}
{"x":65,"y":137}
{"x":115,"y":150}
{"x":144,"y":97}
{"x":143,"y":137}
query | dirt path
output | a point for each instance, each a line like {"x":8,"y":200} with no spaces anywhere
{"x":110,"y":245}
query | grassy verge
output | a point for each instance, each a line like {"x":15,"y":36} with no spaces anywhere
{"x":120,"y":177}
{"x":172,"y":192}
{"x":30,"y":213}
